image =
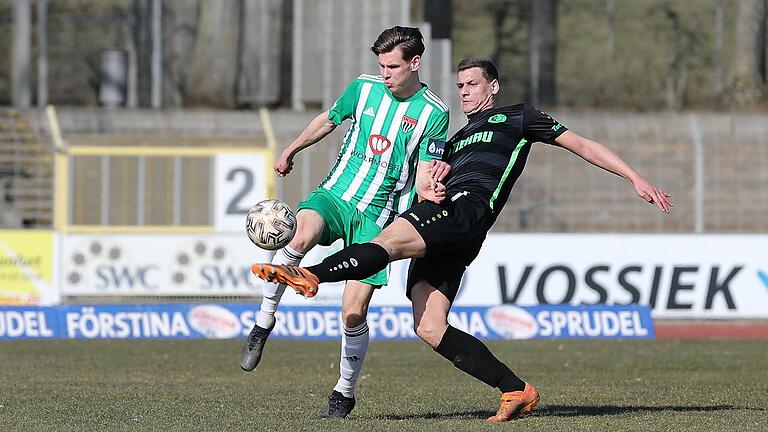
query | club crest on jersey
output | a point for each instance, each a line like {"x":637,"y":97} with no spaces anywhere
{"x":408,"y":124}
{"x":378,"y":144}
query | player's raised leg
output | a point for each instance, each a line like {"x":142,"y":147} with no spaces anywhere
{"x":355,"y":262}
{"x":309,"y":229}
{"x":354,"y":346}
{"x":467,"y":353}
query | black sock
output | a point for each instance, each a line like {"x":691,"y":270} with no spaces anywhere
{"x":358,"y":261}
{"x":473,"y":357}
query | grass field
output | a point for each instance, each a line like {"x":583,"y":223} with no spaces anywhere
{"x":197,"y":385}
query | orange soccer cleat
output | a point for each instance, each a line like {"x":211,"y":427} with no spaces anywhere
{"x":300,"y":279}
{"x":515,"y":404}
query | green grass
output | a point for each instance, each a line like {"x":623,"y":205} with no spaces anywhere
{"x":197,"y":385}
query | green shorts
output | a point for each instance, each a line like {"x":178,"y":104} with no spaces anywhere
{"x":343,"y":221}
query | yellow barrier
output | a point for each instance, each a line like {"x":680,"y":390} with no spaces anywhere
{"x":62,"y":166}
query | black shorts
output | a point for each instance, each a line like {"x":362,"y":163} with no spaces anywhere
{"x":454,"y":232}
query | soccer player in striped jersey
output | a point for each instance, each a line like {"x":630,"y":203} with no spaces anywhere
{"x":486,"y":156}
{"x":385,"y":158}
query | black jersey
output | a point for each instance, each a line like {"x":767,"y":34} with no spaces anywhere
{"x":489,"y":153}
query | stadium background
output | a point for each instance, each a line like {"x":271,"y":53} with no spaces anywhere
{"x":134,"y":134}
{"x":130,"y":119}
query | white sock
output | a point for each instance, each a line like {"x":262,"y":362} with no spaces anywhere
{"x":354,"y":345}
{"x":272,"y":292}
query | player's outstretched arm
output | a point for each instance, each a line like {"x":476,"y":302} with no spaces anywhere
{"x":599,"y":155}
{"x":316,"y":130}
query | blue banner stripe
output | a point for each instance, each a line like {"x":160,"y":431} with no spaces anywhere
{"x":234,"y":320}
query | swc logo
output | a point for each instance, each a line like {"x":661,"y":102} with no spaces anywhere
{"x":378,"y":144}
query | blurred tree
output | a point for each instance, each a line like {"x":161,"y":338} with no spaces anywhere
{"x":747,"y":81}
{"x":496,"y":30}
{"x":718,"y":54}
{"x":542,"y":53}
{"x":511,"y":24}
{"x":213,"y":66}
{"x":610,"y":15}
{"x":259,"y":75}
{"x":140,"y":22}
{"x":505,"y":35}
{"x":22,"y":54}
{"x":642,"y":54}
{"x":682,"y":41}
{"x":179,"y":34}
{"x":439,"y":17}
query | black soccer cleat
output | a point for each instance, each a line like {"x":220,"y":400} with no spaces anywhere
{"x":250,"y":355}
{"x":339,"y":406}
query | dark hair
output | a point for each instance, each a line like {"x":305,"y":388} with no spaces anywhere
{"x":489,"y":69}
{"x":409,"y":39}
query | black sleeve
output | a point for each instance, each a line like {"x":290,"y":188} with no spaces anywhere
{"x":539,"y":126}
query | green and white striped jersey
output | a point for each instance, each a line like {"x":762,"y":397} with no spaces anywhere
{"x":376,"y":166}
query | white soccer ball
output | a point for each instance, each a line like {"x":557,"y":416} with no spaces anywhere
{"x":270,"y":224}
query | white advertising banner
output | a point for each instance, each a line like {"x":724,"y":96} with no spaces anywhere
{"x":158,"y":264}
{"x":240,"y":182}
{"x":679,"y":276}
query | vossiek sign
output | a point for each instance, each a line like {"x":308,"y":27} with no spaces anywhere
{"x":678,"y":276}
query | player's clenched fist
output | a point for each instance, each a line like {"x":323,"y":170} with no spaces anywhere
{"x":284,"y":164}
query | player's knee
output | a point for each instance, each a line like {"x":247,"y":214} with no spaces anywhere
{"x":308,"y":231}
{"x":383,"y":242}
{"x":353,"y":317}
{"x":302,"y":242}
{"x":428,"y":332}
{"x":400,"y":240}
{"x":393,"y":245}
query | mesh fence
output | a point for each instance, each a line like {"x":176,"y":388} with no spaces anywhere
{"x":717,"y":184}
{"x":558,"y":192}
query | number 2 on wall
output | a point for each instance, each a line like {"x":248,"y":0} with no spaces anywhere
{"x":235,"y":207}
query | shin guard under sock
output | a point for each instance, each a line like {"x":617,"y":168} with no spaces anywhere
{"x":467,"y":353}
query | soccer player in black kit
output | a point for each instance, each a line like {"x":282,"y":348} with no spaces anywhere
{"x":486,"y":158}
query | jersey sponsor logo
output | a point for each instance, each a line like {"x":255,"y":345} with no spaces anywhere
{"x":369,"y":112}
{"x":408,"y":124}
{"x":557,"y":127}
{"x":498,"y":118}
{"x":378,"y":143}
{"x":477,"y":137}
{"x":436,"y":148}
{"x":390,"y":167}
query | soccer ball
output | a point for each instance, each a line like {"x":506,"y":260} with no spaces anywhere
{"x":270,"y":224}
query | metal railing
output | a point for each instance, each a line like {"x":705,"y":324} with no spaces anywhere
{"x":130,"y":188}
{"x":714,"y":165}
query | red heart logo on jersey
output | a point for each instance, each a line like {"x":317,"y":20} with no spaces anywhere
{"x":379,"y":144}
